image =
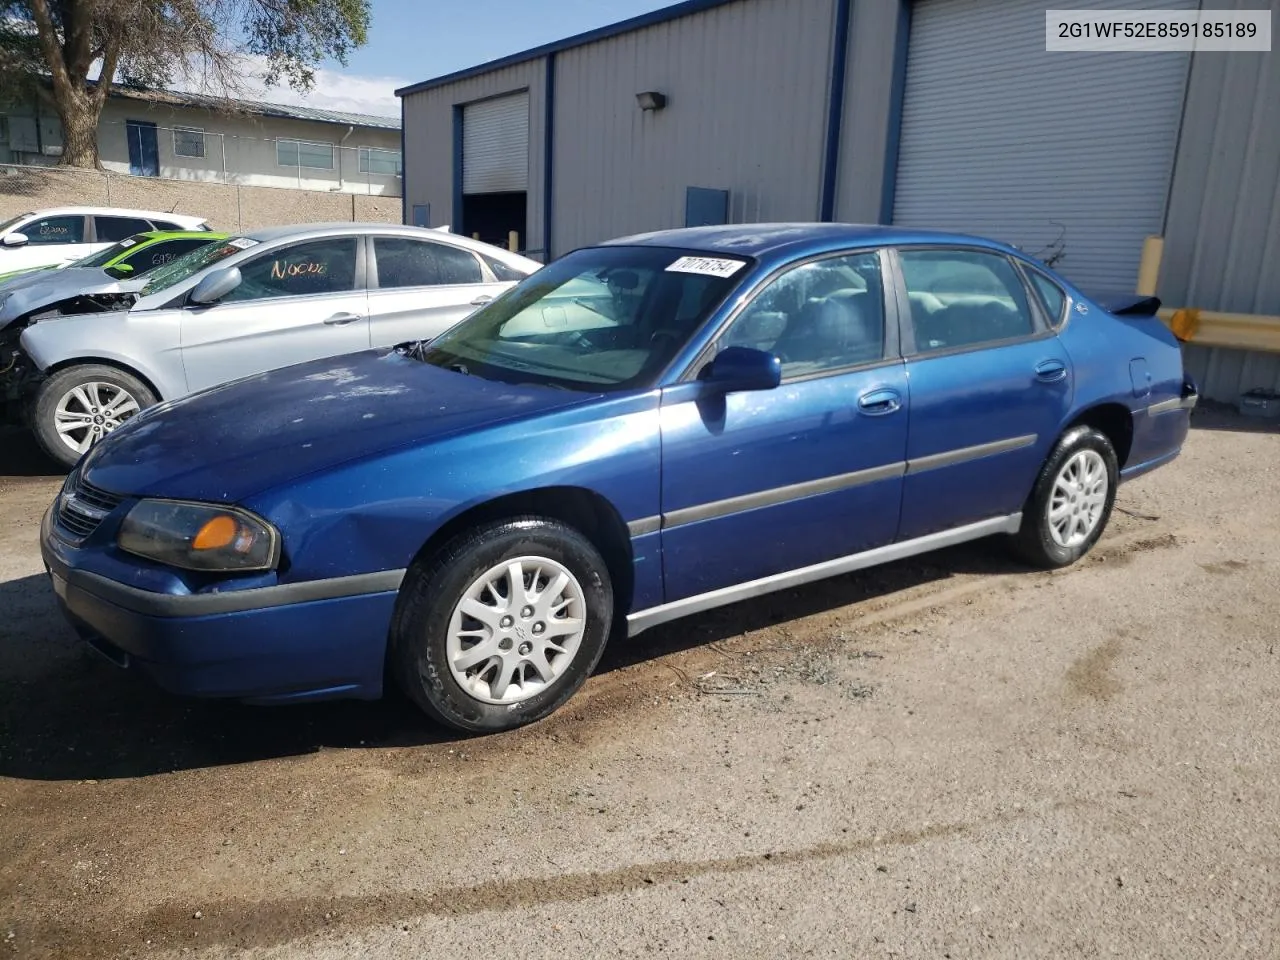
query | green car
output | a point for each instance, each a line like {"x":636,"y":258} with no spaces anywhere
{"x":136,"y":255}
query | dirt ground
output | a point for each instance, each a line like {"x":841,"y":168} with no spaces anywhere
{"x":949,"y":757}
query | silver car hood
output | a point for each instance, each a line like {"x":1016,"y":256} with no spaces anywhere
{"x":44,"y":288}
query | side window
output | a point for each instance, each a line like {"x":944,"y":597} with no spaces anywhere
{"x":419,"y":263}
{"x":1051,"y":296}
{"x":503,"y":272}
{"x":166,"y":225}
{"x":56,"y":230}
{"x":158,"y":254}
{"x":962,"y":297}
{"x":820,"y":316}
{"x":317,"y":266}
{"x":115,"y":229}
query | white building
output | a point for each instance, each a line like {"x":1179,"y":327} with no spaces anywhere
{"x":155,"y":133}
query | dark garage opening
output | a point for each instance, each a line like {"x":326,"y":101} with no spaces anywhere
{"x":494,"y":215}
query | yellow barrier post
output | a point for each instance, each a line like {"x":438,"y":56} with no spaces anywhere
{"x":1149,"y":266}
{"x":513,"y":241}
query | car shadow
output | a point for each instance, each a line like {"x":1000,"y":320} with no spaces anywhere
{"x":21,"y":456}
{"x":66,"y":714}
{"x":1212,"y":415}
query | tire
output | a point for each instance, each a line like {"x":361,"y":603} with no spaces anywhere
{"x":1060,"y":521}
{"x":430,"y":631}
{"x":102,"y":397}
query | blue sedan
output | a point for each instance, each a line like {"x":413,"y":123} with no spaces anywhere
{"x":640,"y":431}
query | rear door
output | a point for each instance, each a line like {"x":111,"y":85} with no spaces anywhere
{"x":420,"y":288}
{"x":297,"y":302}
{"x":990,"y":387}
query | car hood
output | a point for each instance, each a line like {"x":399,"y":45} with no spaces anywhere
{"x":43,"y":288}
{"x":230,"y":442}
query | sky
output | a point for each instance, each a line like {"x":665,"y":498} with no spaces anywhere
{"x":412,"y":40}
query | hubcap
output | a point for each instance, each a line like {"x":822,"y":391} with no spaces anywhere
{"x":1079,"y":496}
{"x":516,"y":630}
{"x":87,"y":413}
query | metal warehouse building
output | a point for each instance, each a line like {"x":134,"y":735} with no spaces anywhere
{"x":939,"y":113}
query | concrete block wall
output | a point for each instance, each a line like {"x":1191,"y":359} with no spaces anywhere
{"x":227,"y":207}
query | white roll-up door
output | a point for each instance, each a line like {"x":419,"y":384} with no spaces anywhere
{"x":1002,"y":139}
{"x":495,"y":145}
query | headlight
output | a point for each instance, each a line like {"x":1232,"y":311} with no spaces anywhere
{"x":199,"y":536}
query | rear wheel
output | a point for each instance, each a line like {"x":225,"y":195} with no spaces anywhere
{"x":502,"y":625}
{"x":1071,"y":502}
{"x":78,"y":406}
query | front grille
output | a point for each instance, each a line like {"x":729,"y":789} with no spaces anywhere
{"x":82,"y":506}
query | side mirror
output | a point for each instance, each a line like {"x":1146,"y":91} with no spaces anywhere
{"x":744,"y":368}
{"x":214,"y":286}
{"x":15,"y":239}
{"x":123,"y":268}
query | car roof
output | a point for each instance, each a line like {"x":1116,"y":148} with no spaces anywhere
{"x":289,"y":231}
{"x":210,"y":235}
{"x":771,"y":239}
{"x":117,"y":212}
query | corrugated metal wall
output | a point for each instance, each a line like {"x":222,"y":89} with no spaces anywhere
{"x":747,"y":94}
{"x":428,"y":140}
{"x":873,"y":35}
{"x":1222,"y":237}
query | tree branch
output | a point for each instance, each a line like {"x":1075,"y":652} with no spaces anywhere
{"x":49,"y":46}
{"x":110,"y":58}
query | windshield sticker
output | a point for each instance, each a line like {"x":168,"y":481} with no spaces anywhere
{"x":242,"y":243}
{"x":127,"y":243}
{"x":708,"y":266}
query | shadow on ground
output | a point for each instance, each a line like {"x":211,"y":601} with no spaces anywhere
{"x":21,"y":456}
{"x":1211,"y":415}
{"x":67,"y":714}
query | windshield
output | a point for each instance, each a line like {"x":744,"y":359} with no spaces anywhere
{"x":604,"y":318}
{"x":6,"y":224}
{"x":188,"y":265}
{"x":103,"y":257}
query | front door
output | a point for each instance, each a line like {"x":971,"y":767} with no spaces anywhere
{"x":302,"y":301}
{"x":51,"y":241}
{"x":423,"y":288}
{"x":755,"y":484}
{"x":144,"y":151}
{"x":990,"y":387}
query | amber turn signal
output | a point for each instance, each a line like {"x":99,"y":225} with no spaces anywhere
{"x":216,"y":533}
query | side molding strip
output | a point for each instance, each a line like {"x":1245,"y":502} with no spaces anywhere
{"x":1165,"y":406}
{"x":644,"y":619}
{"x":153,"y":604}
{"x":768,"y":498}
{"x":952,"y":457}
{"x":638,"y":528}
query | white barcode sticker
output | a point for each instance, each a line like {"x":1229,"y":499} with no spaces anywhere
{"x":128,"y":243}
{"x":708,"y":266}
{"x":244,"y":243}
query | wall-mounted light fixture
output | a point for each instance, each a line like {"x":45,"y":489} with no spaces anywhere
{"x":651,"y":100}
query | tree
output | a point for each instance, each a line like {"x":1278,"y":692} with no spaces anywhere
{"x":50,"y":48}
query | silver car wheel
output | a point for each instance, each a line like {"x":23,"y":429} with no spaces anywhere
{"x":88,"y":412}
{"x":516,"y":630}
{"x":1078,"y":500}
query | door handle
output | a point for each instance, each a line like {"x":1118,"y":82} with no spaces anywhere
{"x":877,"y":403}
{"x":481,"y":300}
{"x":1051,"y":371}
{"x":342,"y":319}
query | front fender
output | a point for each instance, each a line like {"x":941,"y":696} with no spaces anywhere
{"x":150,"y":347}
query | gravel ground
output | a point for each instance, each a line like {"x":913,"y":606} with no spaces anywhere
{"x":949,"y":757}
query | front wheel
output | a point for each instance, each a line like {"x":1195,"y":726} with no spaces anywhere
{"x":1071,"y":502}
{"x":78,"y":406}
{"x":502,"y":625}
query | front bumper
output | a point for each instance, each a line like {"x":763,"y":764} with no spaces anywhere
{"x":315,"y":640}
